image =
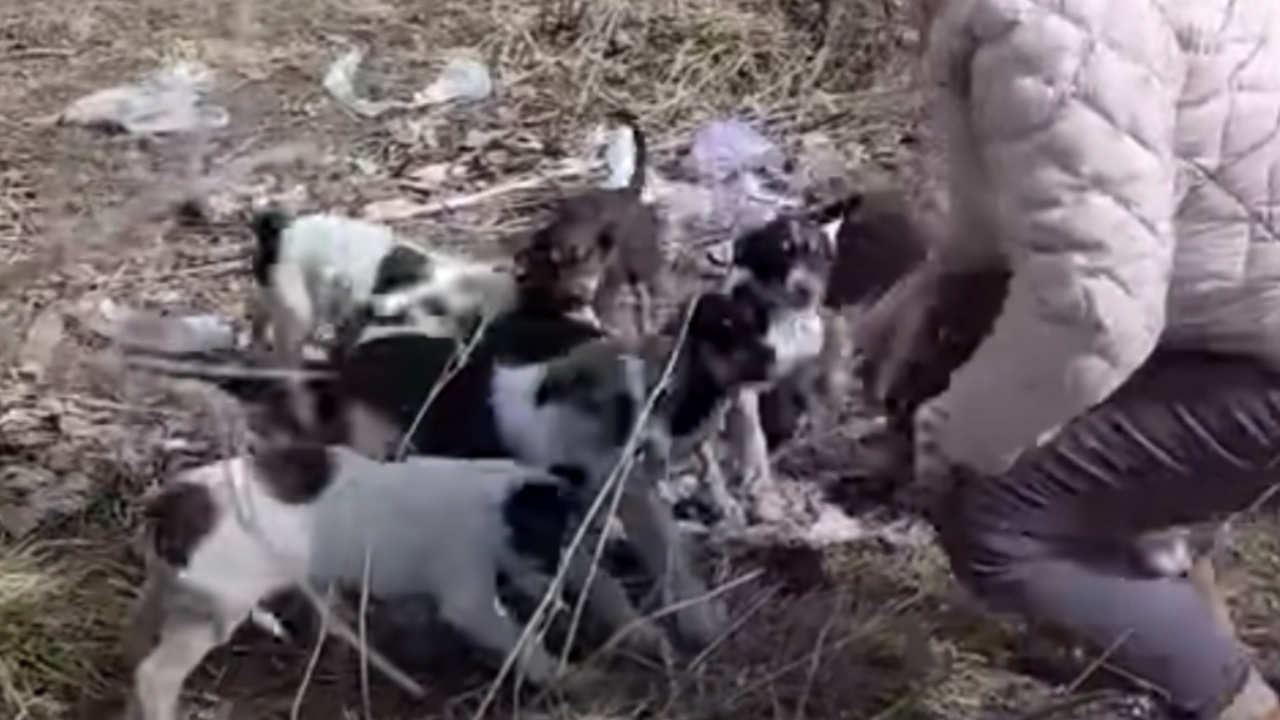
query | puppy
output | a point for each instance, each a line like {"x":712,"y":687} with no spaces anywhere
{"x":874,"y":241}
{"x":597,"y":242}
{"x":785,"y":263}
{"x":314,"y":272}
{"x":553,"y":393}
{"x":224,"y":537}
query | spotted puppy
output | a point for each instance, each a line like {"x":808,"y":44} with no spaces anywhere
{"x":554,"y":393}
{"x":314,"y":271}
{"x":785,"y":263}
{"x":224,"y":537}
{"x":597,"y":242}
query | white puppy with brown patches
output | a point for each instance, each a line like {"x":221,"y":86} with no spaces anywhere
{"x":315,"y":271}
{"x":224,"y":537}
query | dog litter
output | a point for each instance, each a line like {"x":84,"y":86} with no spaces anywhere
{"x":319,"y":340}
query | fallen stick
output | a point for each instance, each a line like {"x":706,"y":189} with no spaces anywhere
{"x":405,"y":210}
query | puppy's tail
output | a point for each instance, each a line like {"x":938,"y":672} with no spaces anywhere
{"x":639,"y":149}
{"x":268,"y":227}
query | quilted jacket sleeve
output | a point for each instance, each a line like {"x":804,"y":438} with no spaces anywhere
{"x":1072,"y":113}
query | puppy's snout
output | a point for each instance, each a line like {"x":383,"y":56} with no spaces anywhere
{"x":803,"y":294}
{"x":802,"y":289}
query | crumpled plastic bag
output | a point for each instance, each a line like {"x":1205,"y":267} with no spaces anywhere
{"x":746,"y":172}
{"x":619,"y":157}
{"x":463,"y":78}
{"x":170,"y":100}
{"x":168,"y":334}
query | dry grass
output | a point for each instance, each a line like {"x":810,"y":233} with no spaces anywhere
{"x":60,"y":617}
{"x":869,"y":633}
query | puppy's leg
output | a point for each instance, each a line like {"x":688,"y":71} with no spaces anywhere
{"x":654,"y":535}
{"x":259,"y":319}
{"x":608,"y":602}
{"x":369,"y":433}
{"x":470,"y":605}
{"x":713,"y":479}
{"x":146,"y":617}
{"x":186,"y":635}
{"x":292,"y":314}
{"x":605,"y":301}
{"x":753,"y":450}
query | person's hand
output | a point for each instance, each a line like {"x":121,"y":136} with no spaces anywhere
{"x":933,"y":469}
{"x":895,"y":333}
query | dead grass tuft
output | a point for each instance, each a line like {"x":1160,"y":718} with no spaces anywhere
{"x":61,"y":605}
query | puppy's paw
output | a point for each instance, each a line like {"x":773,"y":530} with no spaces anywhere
{"x":702,"y":623}
{"x":648,"y":640}
{"x":732,"y":515}
{"x":768,"y":505}
{"x":578,"y":681}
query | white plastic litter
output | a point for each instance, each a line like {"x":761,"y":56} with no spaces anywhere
{"x":463,"y":78}
{"x":166,"y":333}
{"x":620,"y":157}
{"x":746,"y":172}
{"x":170,"y":100}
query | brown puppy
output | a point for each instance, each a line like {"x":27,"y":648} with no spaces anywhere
{"x":597,"y":242}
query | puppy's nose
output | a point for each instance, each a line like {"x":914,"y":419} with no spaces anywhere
{"x":803,"y":293}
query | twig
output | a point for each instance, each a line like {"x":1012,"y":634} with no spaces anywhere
{"x":1097,"y":662}
{"x":36,"y":54}
{"x":816,"y":659}
{"x":296,"y":707}
{"x":1068,"y":704}
{"x":220,"y":267}
{"x":755,"y":607}
{"x":567,"y":169}
{"x":182,"y":368}
{"x":364,"y":634}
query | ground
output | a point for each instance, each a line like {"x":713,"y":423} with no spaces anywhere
{"x":867,"y":631}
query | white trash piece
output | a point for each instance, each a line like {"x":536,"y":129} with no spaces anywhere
{"x":463,"y":78}
{"x":745,"y":171}
{"x":170,"y":334}
{"x":170,"y":100}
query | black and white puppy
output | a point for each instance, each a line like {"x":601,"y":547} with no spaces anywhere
{"x":553,"y":393}
{"x":786,"y":263}
{"x":315,"y":270}
{"x":819,"y":272}
{"x":224,"y":537}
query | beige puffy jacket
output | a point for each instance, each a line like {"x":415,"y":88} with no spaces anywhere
{"x":1123,"y":158}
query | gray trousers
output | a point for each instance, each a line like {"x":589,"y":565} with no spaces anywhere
{"x":1189,"y":437}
